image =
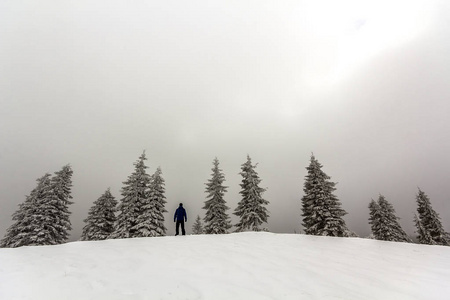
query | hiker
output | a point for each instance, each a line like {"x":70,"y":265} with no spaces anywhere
{"x":180,"y":217}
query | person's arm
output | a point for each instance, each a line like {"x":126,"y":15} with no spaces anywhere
{"x":185,"y":216}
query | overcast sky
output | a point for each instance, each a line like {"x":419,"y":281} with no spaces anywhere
{"x":362,"y":84}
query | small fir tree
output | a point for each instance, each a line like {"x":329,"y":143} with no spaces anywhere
{"x":251,"y":208}
{"x":429,"y":227}
{"x":101,"y":218}
{"x":321,"y":209}
{"x":135,"y":207}
{"x":216,"y":219}
{"x":197,"y":228}
{"x":157,"y":205}
{"x":384,"y":222}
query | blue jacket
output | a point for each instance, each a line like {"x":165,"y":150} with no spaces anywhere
{"x":180,"y":214}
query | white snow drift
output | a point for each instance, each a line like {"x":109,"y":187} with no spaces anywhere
{"x":235,"y":266}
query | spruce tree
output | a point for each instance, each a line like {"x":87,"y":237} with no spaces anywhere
{"x":43,"y":219}
{"x":251,"y":208}
{"x":157,"y":205}
{"x":101,"y":218}
{"x":384,"y":222}
{"x":197,"y":228}
{"x":374,"y":217}
{"x":429,"y":226}
{"x":321,"y":209}
{"x":216,"y":219}
{"x":61,"y":188}
{"x":424,"y":236}
{"x":43,"y":223}
{"x":18,"y":233}
{"x":134,"y":208}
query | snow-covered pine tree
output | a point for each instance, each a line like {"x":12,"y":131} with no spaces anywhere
{"x":16,"y":235}
{"x":197,"y":228}
{"x":321,"y":209}
{"x":424,"y":236}
{"x":251,"y":208}
{"x":43,"y":226}
{"x":101,"y":218}
{"x":134,"y":208}
{"x":384,"y":222}
{"x":428,"y":223}
{"x":374,"y":217}
{"x":157,"y":205}
{"x":61,"y":188}
{"x":216,"y":218}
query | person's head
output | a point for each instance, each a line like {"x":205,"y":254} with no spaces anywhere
{"x":181,"y":204}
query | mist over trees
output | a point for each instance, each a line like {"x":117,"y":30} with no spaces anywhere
{"x":44,"y":217}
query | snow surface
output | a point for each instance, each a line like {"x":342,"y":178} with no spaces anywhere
{"x":234,"y":266}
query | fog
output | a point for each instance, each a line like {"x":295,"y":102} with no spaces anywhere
{"x":364,"y":86}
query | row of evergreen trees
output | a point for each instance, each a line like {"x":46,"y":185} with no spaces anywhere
{"x":43,"y":219}
{"x":385,"y":226}
{"x":321,"y":210}
{"x":140,"y":211}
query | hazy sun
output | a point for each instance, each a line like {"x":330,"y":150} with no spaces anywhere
{"x":360,"y":30}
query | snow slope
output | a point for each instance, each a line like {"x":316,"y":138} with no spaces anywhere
{"x":235,"y":266}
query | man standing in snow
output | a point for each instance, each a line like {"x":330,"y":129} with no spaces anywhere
{"x":180,"y":217}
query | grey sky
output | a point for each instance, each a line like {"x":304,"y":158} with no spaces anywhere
{"x":365,"y":86}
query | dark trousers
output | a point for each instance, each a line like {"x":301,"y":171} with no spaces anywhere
{"x":180,"y":222}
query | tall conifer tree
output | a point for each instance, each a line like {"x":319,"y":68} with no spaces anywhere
{"x":424,"y":236}
{"x":157,"y":204}
{"x":43,"y":219}
{"x":41,"y":224}
{"x":251,"y":208}
{"x":321,"y":209}
{"x":134,"y":206}
{"x":428,"y":223}
{"x":18,"y":234}
{"x":61,"y":185}
{"x":101,"y":218}
{"x":216,"y":218}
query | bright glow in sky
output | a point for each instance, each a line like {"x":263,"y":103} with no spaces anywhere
{"x":357,"y":31}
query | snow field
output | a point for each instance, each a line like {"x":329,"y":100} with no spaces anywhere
{"x":234,"y":266}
